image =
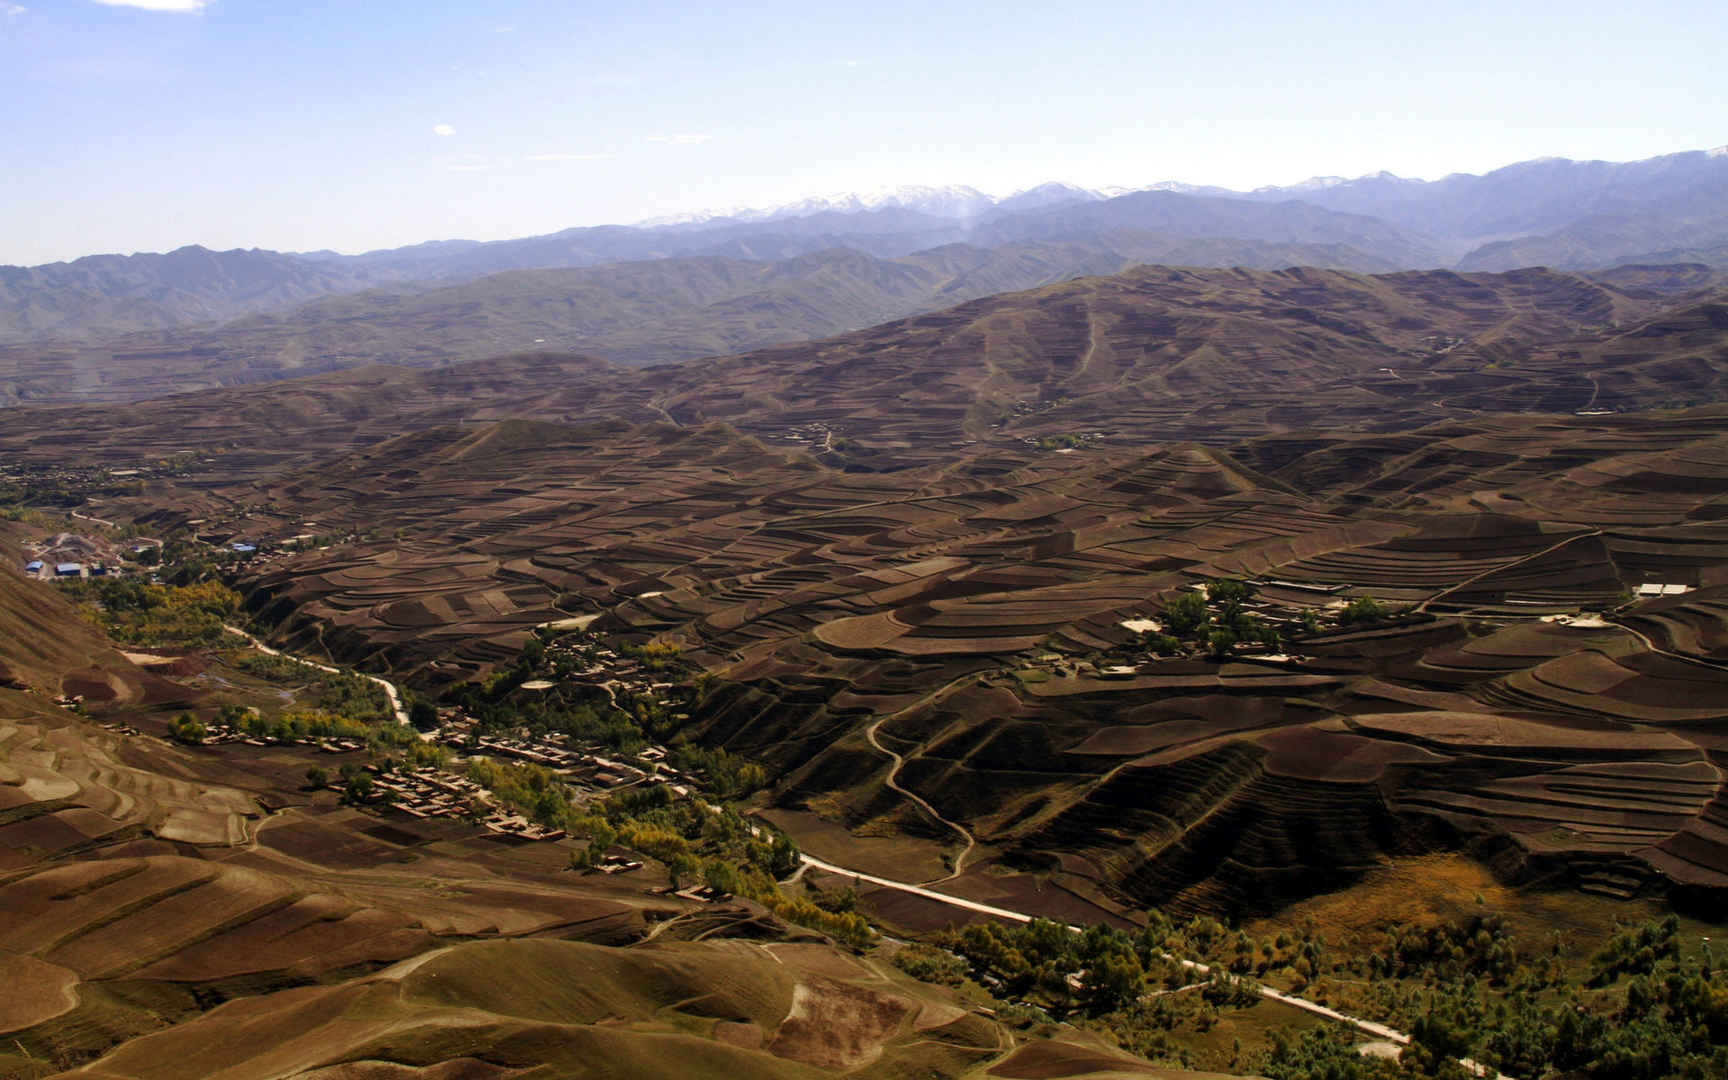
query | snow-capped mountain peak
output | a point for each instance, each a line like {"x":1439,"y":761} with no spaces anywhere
{"x":1313,"y":183}
{"x":1050,"y":193}
{"x":956,"y":200}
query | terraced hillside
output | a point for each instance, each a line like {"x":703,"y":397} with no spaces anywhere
{"x":919,"y":560}
{"x":176,"y":911}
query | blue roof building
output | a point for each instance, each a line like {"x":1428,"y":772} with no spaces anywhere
{"x":244,"y":549}
{"x":34,"y":567}
{"x":69,"y":569}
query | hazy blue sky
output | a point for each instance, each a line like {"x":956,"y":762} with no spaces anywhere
{"x":353,"y":124}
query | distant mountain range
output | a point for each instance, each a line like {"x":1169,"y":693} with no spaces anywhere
{"x":1554,"y":212}
{"x":635,"y":313}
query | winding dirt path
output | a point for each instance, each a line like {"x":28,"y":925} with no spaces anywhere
{"x":90,"y":517}
{"x":1660,"y":651}
{"x":388,"y":687}
{"x":892,"y":783}
{"x":1491,"y":571}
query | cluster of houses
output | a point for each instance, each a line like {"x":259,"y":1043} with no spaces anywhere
{"x":36,"y":568}
{"x":72,"y":555}
{"x":427,"y":792}
{"x":814,"y":434}
{"x":606,"y":668}
{"x":83,"y":479}
{"x":590,"y":766}
{"x":220,"y":734}
{"x":433,"y":793}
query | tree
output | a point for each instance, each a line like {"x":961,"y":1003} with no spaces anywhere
{"x":1185,"y":615}
{"x":316,"y":777}
{"x":1220,"y":643}
{"x":1363,"y":609}
{"x":1113,"y":982}
{"x":186,"y":728}
{"x":1166,"y":645}
{"x":682,"y":868}
{"x":783,"y":857}
{"x":750,"y":778}
{"x":1228,"y":591}
{"x":423,"y":716}
{"x":720,"y":875}
{"x":358,"y":788}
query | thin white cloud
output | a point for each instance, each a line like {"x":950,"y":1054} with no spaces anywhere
{"x":443,"y":129}
{"x":568,"y":157}
{"x":687,"y":139}
{"x":13,"y":9}
{"x":187,"y":6}
{"x":504,"y":29}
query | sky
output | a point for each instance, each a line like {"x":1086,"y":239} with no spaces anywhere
{"x":297,"y":125}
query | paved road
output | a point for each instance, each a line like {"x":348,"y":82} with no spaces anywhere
{"x":1369,"y":1027}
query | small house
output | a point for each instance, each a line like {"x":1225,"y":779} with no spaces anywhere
{"x":68,"y":569}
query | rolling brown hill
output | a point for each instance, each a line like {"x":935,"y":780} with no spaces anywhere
{"x":1153,"y":353}
{"x":188,"y":911}
{"x":633,"y":313}
{"x":866,"y":545}
{"x":47,"y":649}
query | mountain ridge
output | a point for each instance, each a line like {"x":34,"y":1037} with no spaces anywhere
{"x":1550,"y":211}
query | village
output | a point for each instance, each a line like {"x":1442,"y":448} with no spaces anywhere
{"x":586,"y":768}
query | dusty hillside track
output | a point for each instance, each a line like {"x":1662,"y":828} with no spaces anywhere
{"x":891,"y":781}
{"x":1514,"y":564}
{"x":389,"y":688}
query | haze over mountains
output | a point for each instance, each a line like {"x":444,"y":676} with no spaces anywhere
{"x":1555,"y":212}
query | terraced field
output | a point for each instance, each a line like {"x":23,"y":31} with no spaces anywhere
{"x":194,"y":911}
{"x":867,"y":532}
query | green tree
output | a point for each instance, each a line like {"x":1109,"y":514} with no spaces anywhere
{"x":683,"y":868}
{"x":1228,"y":591}
{"x":1220,"y":643}
{"x":186,"y":728}
{"x":358,"y":789}
{"x":1113,"y":982}
{"x":1185,"y":615}
{"x":1363,"y":609}
{"x":423,"y":716}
